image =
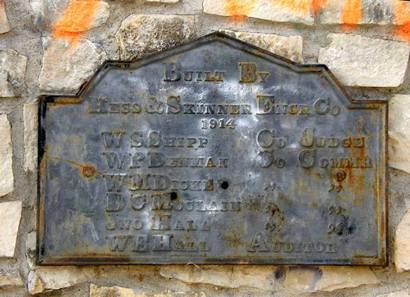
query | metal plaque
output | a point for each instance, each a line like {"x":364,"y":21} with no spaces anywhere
{"x":212,"y":152}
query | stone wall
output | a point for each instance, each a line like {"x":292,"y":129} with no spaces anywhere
{"x":54,"y":46}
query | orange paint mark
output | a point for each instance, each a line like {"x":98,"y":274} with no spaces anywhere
{"x":352,"y":14}
{"x":296,"y":6}
{"x":239,"y":9}
{"x":318,"y":5}
{"x":76,"y":19}
{"x":402,"y":17}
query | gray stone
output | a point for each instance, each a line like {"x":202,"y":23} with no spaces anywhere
{"x":12,"y":72}
{"x":6,"y":88}
{"x":6,"y":157}
{"x":10,"y":215}
{"x":290,"y":47}
{"x":380,"y":12}
{"x":146,"y":34}
{"x":402,"y":244}
{"x":275,"y":11}
{"x":66,"y":67}
{"x":366,"y":62}
{"x":4,"y":23}
{"x":30,"y":111}
{"x":399,"y":132}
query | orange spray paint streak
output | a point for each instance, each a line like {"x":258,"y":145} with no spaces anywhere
{"x":76,"y":19}
{"x":351,"y":14}
{"x":402,"y":17}
{"x":239,"y":9}
{"x":318,"y":5}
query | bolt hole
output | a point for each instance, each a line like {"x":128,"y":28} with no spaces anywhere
{"x":173,"y":195}
{"x":224,"y":185}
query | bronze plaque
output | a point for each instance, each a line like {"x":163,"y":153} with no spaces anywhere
{"x":212,"y":152}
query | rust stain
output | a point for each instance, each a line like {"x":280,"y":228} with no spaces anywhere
{"x":75,"y":20}
{"x":357,"y":176}
{"x":351,"y":14}
{"x":88,"y":171}
{"x":239,"y":9}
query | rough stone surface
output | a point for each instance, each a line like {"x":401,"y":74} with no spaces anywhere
{"x":296,"y":280}
{"x":96,"y":291}
{"x":234,"y":277}
{"x":366,"y":62}
{"x":63,"y":15}
{"x":49,"y":278}
{"x":4,"y":23}
{"x":12,"y":72}
{"x":404,"y":293}
{"x":275,"y":11}
{"x":10,"y":280}
{"x":402,"y":244}
{"x":146,"y":34}
{"x":10,"y":214}
{"x":290,"y":47}
{"x":6,"y":157}
{"x":66,"y":67}
{"x":30,"y":111}
{"x":335,"y":278}
{"x":399,"y":132}
{"x":380,"y":12}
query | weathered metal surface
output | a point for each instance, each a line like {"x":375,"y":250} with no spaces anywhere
{"x":213,"y":152}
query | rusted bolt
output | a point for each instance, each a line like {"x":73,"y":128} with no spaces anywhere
{"x":88,"y":171}
{"x":340,"y":176}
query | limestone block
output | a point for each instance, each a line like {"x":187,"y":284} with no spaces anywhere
{"x":10,"y":215}
{"x":402,"y":244}
{"x":96,"y":291}
{"x":66,"y":67}
{"x":399,"y":132}
{"x":404,"y":293}
{"x":366,"y":62}
{"x":275,"y":11}
{"x":145,"y":34}
{"x":50,"y":278}
{"x":259,"y":277}
{"x":6,"y":157}
{"x":8,"y":280}
{"x":4,"y":23}
{"x":30,"y":111}
{"x":290,"y":47}
{"x":68,"y":17}
{"x":335,"y":278}
{"x":295,"y":280}
{"x":12,"y":72}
